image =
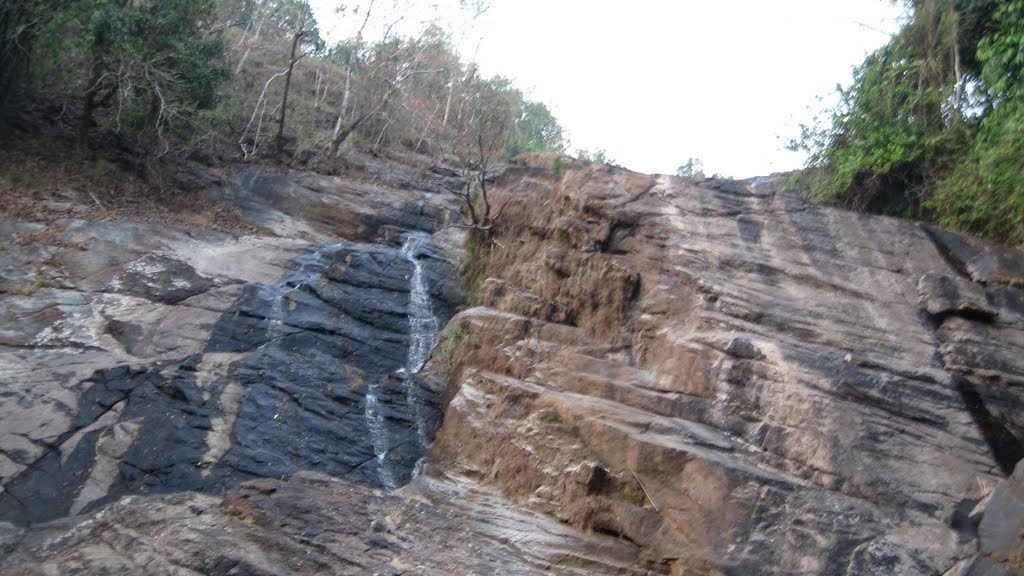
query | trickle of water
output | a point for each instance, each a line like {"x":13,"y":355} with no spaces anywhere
{"x":311,"y":268}
{"x":378,"y":436}
{"x":422,"y":334}
{"x":279,"y":294}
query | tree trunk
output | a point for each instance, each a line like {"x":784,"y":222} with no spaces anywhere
{"x":16,"y":40}
{"x":89,"y":105}
{"x":340,"y":138}
{"x":345,"y":95}
{"x":287,"y":85}
{"x":337,"y":137}
{"x":448,"y":105}
{"x":958,"y":90}
{"x":251,"y":41}
{"x":150,"y":141}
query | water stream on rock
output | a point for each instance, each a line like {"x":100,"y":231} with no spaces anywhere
{"x":422,"y":334}
{"x":378,"y":436}
{"x":310,"y":270}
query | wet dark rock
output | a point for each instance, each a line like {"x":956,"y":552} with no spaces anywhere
{"x":182,"y":363}
{"x":296,"y":399}
{"x":160,"y":278}
{"x":386,"y":271}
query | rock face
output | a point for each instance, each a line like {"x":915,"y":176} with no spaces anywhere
{"x":1000,"y":531}
{"x":655,"y":375}
{"x":149,"y":361}
{"x":736,"y":380}
{"x":313,"y":524}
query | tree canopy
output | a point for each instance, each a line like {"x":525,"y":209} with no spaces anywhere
{"x":930,"y":126}
{"x":252,"y":77}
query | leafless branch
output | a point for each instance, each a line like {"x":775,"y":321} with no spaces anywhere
{"x":259,"y":108}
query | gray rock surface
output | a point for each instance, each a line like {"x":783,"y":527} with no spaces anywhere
{"x":314,"y":524}
{"x":664,"y":376}
{"x":1001,"y":532}
{"x":152,"y":360}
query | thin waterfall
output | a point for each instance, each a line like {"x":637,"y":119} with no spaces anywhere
{"x":422,"y":334}
{"x":422,"y":323}
{"x":378,"y":436}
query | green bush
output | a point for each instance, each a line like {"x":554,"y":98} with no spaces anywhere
{"x":451,"y":344}
{"x":984,"y":194}
{"x":931,"y":125}
{"x":558,"y":164}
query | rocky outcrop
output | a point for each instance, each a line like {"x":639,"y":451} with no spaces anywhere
{"x":657,"y":375}
{"x":733,"y":379}
{"x":314,"y":524}
{"x":1000,"y":519}
{"x":139,"y":360}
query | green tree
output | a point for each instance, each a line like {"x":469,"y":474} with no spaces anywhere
{"x":984,"y":193}
{"x":32,"y":42}
{"x":693,"y":168}
{"x":158,"y":62}
{"x":18,"y":30}
{"x":536,"y":129}
{"x":928,"y":128}
{"x":599,"y":156}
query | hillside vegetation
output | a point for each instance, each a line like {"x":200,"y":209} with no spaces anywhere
{"x":215,"y":80}
{"x":932,"y":125}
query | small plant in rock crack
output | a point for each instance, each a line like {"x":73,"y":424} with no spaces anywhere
{"x":550,"y":417}
{"x":451,"y":344}
{"x":631,"y":495}
{"x":557,"y":164}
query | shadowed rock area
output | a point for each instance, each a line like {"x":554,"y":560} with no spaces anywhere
{"x":657,"y":375}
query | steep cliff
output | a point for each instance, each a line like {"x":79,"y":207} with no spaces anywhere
{"x":653,"y":375}
{"x":733,"y":379}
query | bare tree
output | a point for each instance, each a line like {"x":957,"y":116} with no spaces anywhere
{"x":346,"y":93}
{"x":292,"y":61}
{"x":475,"y":139}
{"x":393,"y":63}
{"x":249,"y":140}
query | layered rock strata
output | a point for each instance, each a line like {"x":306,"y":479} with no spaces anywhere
{"x":734,"y":379}
{"x":654,"y":375}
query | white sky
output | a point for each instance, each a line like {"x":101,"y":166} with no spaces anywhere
{"x":656,"y":82}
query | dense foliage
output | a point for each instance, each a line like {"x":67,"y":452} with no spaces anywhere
{"x":245,"y":78}
{"x":931,"y":126}
{"x":148,"y":70}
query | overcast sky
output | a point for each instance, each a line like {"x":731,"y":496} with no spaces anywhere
{"x":654,"y":82}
